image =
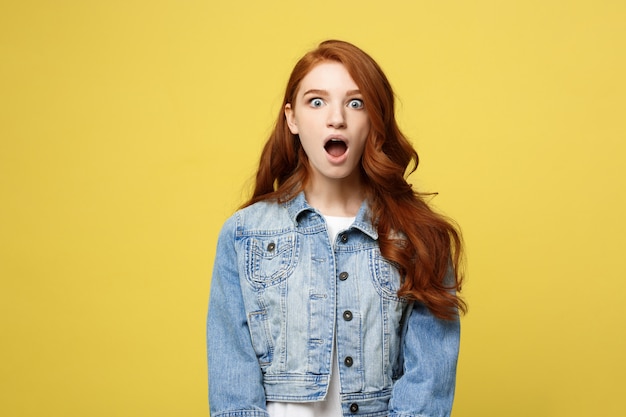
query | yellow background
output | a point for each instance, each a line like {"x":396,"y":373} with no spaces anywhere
{"x":129,"y":131}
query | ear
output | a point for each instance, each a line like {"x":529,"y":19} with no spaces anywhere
{"x":291,"y":119}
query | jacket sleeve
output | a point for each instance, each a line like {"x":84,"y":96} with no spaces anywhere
{"x":235,"y":378}
{"x":430,"y":352}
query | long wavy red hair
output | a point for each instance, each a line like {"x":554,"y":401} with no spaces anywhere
{"x":423,"y":244}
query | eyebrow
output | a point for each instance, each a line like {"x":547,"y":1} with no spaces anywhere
{"x":324,"y":92}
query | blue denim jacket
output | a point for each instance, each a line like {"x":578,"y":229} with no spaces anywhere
{"x":281,"y":295}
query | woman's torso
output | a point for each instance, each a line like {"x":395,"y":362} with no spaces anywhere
{"x":303,"y":294}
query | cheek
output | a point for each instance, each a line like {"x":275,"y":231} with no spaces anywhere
{"x":304,"y":123}
{"x":306,"y":141}
{"x":362,"y":120}
{"x":364,"y":133}
{"x":365,"y":127}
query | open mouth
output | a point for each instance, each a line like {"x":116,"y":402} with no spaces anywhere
{"x":336,"y":147}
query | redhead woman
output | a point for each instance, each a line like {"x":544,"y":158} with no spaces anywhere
{"x":335,"y":289}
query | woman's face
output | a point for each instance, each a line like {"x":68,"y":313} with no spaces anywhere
{"x":328,"y":114}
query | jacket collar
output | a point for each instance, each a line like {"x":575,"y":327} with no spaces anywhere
{"x":298,"y":205}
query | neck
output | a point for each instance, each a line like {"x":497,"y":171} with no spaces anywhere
{"x":341,"y":197}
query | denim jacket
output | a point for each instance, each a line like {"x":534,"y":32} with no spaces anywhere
{"x":282,"y":294}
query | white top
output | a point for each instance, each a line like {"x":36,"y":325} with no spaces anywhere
{"x":331,"y":405}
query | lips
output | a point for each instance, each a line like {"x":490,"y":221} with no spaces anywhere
{"x":336,"y":147}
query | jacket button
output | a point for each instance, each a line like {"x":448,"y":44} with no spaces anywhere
{"x":348,"y":361}
{"x":343,"y":276}
{"x":344,"y":238}
{"x":271,"y":246}
{"x":354,"y":407}
{"x":347,"y":315}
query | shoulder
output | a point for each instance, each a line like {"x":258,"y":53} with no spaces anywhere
{"x":260,"y":216}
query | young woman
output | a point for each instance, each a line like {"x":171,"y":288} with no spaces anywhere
{"x":335,"y":288}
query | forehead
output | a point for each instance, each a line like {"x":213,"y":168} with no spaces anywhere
{"x":328,"y":76}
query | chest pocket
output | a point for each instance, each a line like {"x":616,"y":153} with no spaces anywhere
{"x":385,"y":276}
{"x":270,"y":260}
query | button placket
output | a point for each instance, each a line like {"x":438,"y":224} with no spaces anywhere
{"x":347,"y":315}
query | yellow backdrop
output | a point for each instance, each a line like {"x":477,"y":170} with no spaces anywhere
{"x":129,"y":131}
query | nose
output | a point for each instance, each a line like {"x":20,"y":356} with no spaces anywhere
{"x":336,"y":117}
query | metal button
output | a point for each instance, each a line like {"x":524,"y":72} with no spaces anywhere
{"x":343,"y":276}
{"x":271,"y":246}
{"x":344,"y":237}
{"x":347,"y":315}
{"x":348,"y":361}
{"x":354,"y":407}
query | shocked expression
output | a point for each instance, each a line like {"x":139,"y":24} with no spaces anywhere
{"x":328,"y":114}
